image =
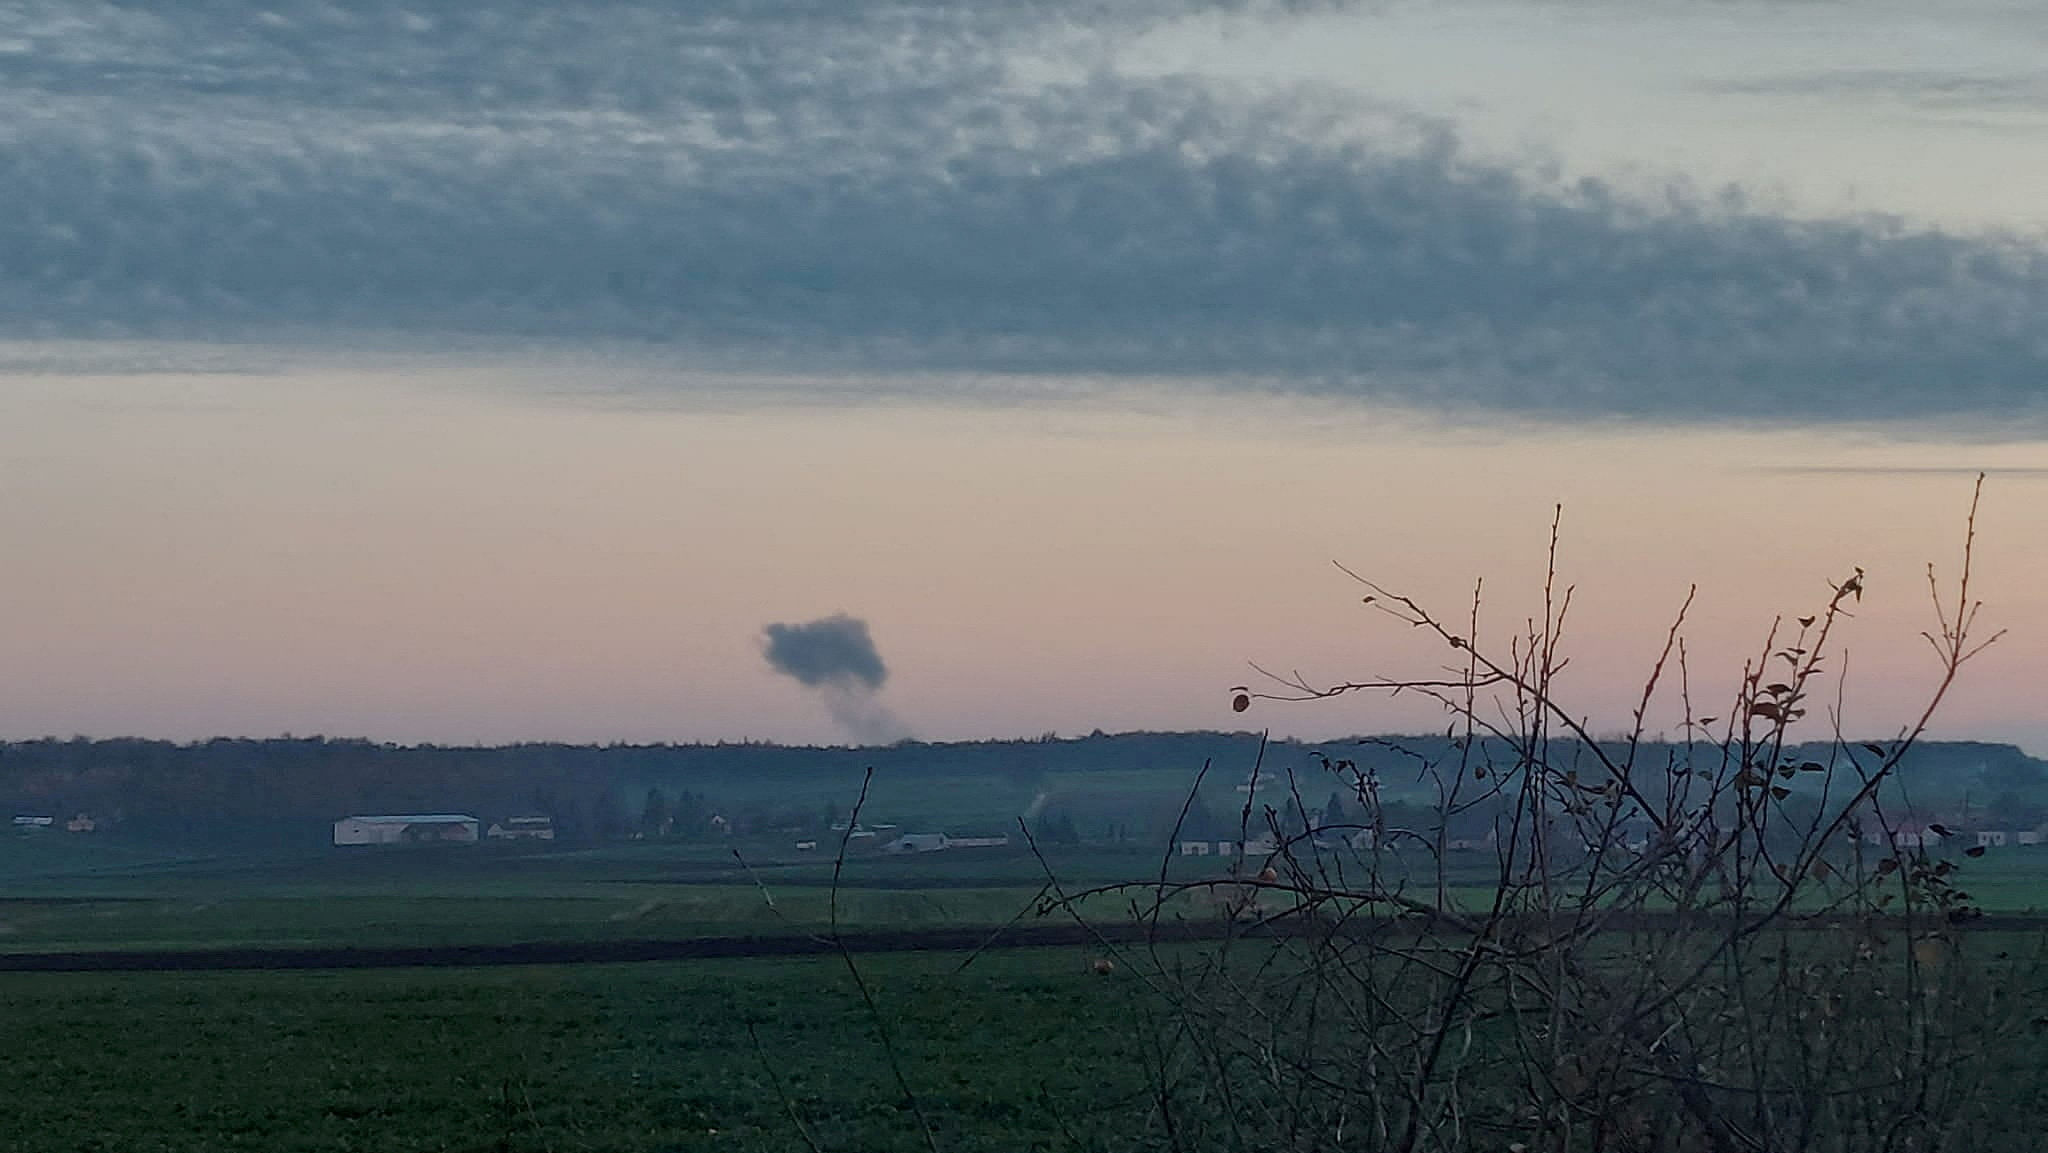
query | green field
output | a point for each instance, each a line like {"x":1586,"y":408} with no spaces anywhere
{"x":61,"y":894}
{"x":1006,"y":1050}
{"x":1024,"y":1050}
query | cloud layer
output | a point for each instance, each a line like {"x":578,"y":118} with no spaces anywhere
{"x":904,"y":185}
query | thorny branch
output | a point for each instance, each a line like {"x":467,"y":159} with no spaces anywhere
{"x":1677,"y":946}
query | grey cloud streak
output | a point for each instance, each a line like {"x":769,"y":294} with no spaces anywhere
{"x":2002,"y":472}
{"x":1928,"y":86}
{"x":877,"y":186}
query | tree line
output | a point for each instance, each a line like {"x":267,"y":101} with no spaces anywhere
{"x":256,"y":789}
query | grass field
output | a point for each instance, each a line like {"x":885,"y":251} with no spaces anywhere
{"x":1018,"y":1050}
{"x":62,"y":894}
{"x":58,"y":896}
{"x":1024,"y":1050}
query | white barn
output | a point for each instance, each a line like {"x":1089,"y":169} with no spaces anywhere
{"x":407,"y":829}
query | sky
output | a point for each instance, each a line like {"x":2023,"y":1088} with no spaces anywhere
{"x":513,"y":372}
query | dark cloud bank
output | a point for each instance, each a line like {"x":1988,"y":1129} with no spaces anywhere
{"x":880,"y":186}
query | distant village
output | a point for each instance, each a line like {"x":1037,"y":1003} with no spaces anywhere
{"x":1905,"y":834}
{"x":461,"y":828}
{"x":402,"y":829}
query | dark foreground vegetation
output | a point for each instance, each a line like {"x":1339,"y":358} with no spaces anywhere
{"x":1642,"y":974}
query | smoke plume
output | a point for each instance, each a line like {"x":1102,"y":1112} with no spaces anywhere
{"x":836,"y":656}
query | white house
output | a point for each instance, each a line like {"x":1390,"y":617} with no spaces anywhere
{"x":1914,"y":836}
{"x":522,"y":829}
{"x":1905,"y":835}
{"x":1257,"y":846}
{"x":916,"y":843}
{"x":1990,"y":838}
{"x":407,"y":829}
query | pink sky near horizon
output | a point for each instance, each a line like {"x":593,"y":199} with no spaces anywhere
{"x":509,"y":553}
{"x":497,"y":517}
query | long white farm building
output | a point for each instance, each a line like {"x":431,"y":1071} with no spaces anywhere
{"x":406,"y":829}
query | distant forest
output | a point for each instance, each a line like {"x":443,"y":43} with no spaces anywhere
{"x":247,"y":790}
{"x":237,"y":787}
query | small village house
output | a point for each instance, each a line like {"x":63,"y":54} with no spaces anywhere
{"x":1257,"y":846}
{"x":1904,"y":835}
{"x":522,"y":829}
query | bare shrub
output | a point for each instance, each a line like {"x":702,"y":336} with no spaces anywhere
{"x":1690,"y":944}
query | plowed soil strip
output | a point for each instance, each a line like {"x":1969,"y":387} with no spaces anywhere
{"x":698,"y":948}
{"x":572,"y":952}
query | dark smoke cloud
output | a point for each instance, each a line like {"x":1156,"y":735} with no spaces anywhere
{"x":835,"y":650}
{"x":836,"y":656}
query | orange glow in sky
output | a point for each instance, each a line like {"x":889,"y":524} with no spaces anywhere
{"x":407,"y":555}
